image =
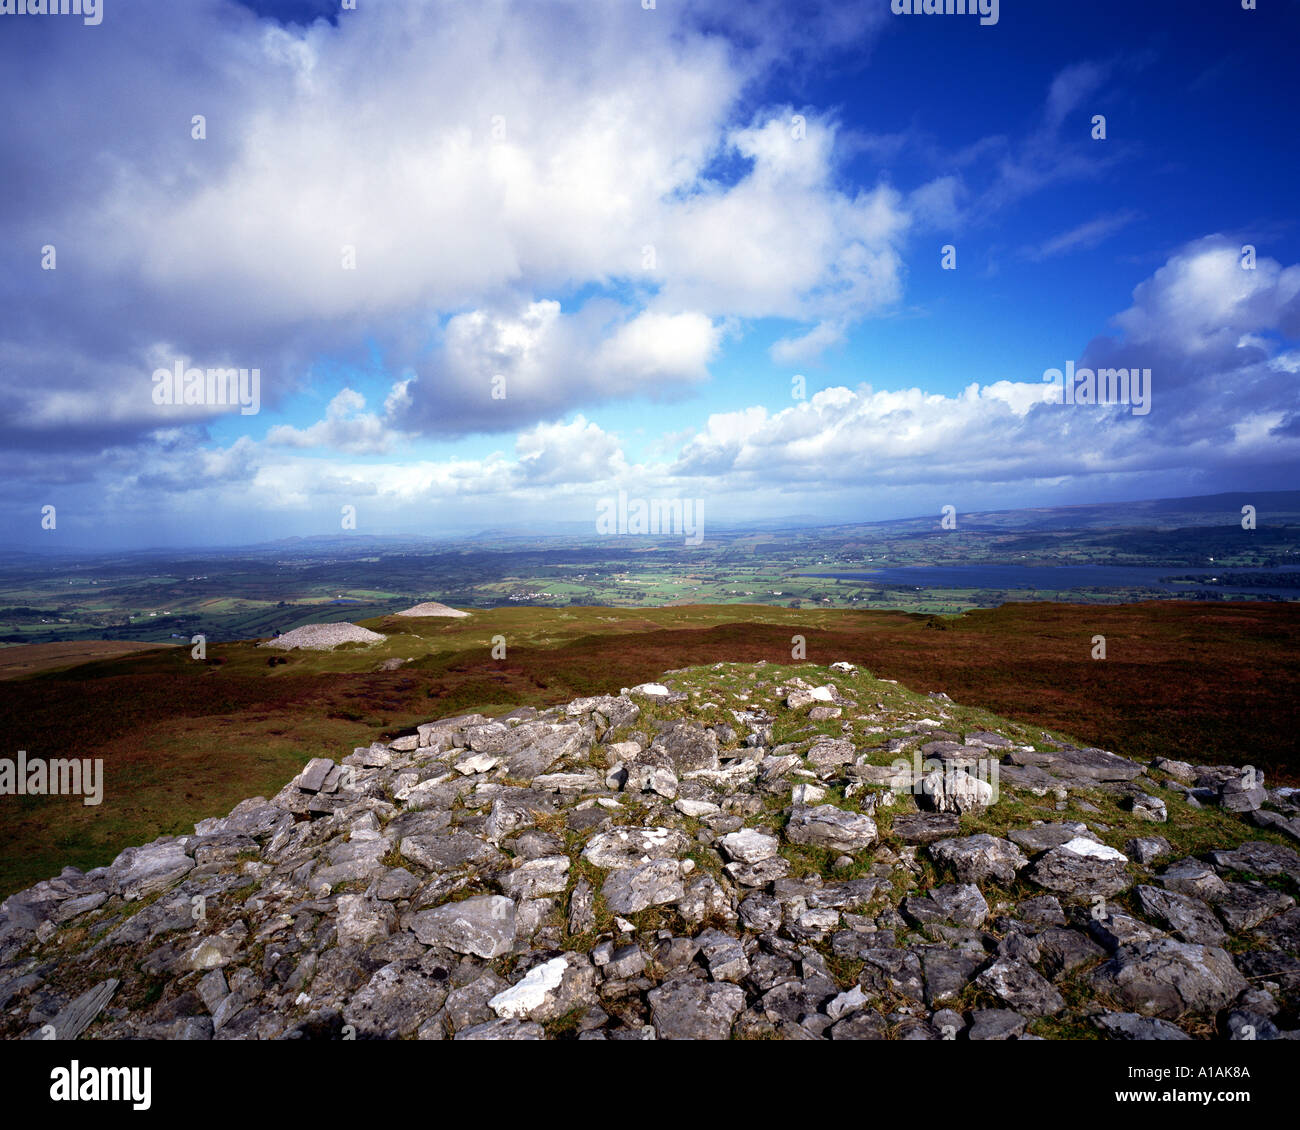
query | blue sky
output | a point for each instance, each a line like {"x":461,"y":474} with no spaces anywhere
{"x":501,"y":171}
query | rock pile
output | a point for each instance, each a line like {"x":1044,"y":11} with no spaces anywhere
{"x":323,"y":637}
{"x":430,"y":608}
{"x":734,"y":852}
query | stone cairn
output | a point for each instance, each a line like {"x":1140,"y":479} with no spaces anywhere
{"x":656,"y":865}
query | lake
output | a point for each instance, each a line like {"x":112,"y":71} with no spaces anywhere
{"x":1055,"y":578}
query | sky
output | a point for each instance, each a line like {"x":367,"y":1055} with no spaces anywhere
{"x":493,"y":263}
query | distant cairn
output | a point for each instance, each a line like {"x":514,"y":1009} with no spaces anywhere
{"x":323,"y":637}
{"x":430,"y":608}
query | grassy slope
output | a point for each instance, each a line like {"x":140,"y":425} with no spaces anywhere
{"x":183,"y":740}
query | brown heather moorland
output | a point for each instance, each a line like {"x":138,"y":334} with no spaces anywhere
{"x":184,"y":739}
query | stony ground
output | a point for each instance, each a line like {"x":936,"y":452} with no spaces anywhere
{"x":744,"y":851}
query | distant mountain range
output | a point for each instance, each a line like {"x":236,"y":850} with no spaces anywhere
{"x":1274,"y":507}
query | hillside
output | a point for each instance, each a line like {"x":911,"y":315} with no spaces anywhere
{"x":752,"y":851}
{"x":184,"y":738}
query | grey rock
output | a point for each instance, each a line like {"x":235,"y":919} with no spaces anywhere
{"x":891,"y":971}
{"x":1091,"y":764}
{"x":632,"y":889}
{"x":582,"y":916}
{"x":1022,"y":988}
{"x":1082,"y":868}
{"x":396,"y":1001}
{"x":1149,"y":807}
{"x":312,"y":778}
{"x":1192,"y":877}
{"x":1282,"y":931}
{"x":925,"y":827}
{"x":952,"y":789}
{"x":759,"y":874}
{"x":143,"y":871}
{"x":832,"y":828}
{"x":1044,"y":837}
{"x":627,"y":846}
{"x":860,"y":1025}
{"x":1187,"y":918}
{"x":544,"y":876}
{"x":1133,"y":1026}
{"x":1061,"y":951}
{"x":1042,"y":910}
{"x":483,"y":926}
{"x":1114,"y":929}
{"x":81,"y":1013}
{"x":1243,"y":1024}
{"x":1170,"y":979}
{"x":446,"y":853}
{"x":749,"y":846}
{"x":1244,"y":906}
{"x":687,"y":747}
{"x":396,"y":883}
{"x":979,"y":859}
{"x":958,"y":903}
{"x":947,"y":972}
{"x":549,"y":990}
{"x":467,"y":1005}
{"x":1259,"y":858}
{"x":508,"y":1029}
{"x":1147,"y":849}
{"x":624,"y":962}
{"x":996,"y":1024}
{"x":688,"y":1009}
{"x":534,"y":747}
{"x":724,"y":955}
{"x":705,"y":898}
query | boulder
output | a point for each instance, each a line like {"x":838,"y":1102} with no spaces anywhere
{"x":688,"y":1009}
{"x":1082,"y":868}
{"x":832,"y":828}
{"x":980,"y":859}
{"x":483,"y":926}
{"x":1170,"y":979}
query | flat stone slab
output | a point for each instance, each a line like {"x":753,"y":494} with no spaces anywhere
{"x":832,"y":828}
{"x":1093,"y":764}
{"x":695,"y":1010}
{"x":628,"y":846}
{"x":483,"y":926}
{"x":926,"y":827}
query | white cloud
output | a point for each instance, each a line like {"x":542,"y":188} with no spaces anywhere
{"x":346,"y":427}
{"x":499,"y":159}
{"x":1084,"y":236}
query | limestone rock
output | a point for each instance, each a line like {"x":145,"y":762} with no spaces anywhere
{"x":484,"y":926}
{"x":1083,"y":868}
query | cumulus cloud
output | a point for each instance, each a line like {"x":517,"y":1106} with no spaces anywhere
{"x":503,"y":157}
{"x":346,"y":427}
{"x":1223,"y":381}
{"x":1200,"y":323}
{"x":496,"y":369}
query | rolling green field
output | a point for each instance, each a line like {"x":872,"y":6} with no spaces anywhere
{"x":252,"y":593}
